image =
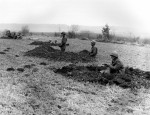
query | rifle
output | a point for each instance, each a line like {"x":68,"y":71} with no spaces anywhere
{"x":106,"y":65}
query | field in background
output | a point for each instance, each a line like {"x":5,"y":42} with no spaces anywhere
{"x":87,"y":35}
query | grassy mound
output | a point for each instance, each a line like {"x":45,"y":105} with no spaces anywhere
{"x":46,"y":51}
{"x":133,"y":78}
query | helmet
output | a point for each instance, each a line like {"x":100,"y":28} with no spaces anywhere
{"x":115,"y":54}
{"x":63,"y":33}
{"x":93,"y":42}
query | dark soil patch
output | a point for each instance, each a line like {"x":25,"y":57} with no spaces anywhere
{"x":29,"y":66}
{"x":16,"y":55}
{"x":43,"y":63}
{"x":45,"y":43}
{"x":133,"y":78}
{"x":46,"y":51}
{"x":10,"y":69}
{"x":2,"y":53}
{"x":39,"y":43}
{"x":20,"y":69}
{"x":6,"y":50}
{"x":5,"y":37}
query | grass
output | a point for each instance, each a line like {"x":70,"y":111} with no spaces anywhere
{"x":38,"y":90}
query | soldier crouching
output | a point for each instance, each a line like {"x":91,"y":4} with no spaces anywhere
{"x":116,"y":65}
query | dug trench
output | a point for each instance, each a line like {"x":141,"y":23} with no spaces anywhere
{"x":132,"y":78}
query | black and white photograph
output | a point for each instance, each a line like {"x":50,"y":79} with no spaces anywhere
{"x":74,"y":57}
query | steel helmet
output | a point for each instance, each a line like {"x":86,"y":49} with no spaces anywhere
{"x":93,"y":42}
{"x":63,"y":33}
{"x":115,"y":54}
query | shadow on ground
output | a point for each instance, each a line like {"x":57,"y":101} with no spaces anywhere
{"x":133,"y":78}
{"x":48,"y":52}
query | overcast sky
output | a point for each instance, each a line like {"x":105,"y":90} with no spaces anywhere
{"x":129,"y":13}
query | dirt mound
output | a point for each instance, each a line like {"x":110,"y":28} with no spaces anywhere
{"x":45,"y":43}
{"x":46,"y":51}
{"x":133,"y":78}
{"x":39,"y":43}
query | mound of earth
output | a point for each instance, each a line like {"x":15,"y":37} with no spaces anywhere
{"x":133,"y":78}
{"x":46,"y":51}
{"x":45,"y":43}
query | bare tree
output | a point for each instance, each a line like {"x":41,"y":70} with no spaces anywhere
{"x":73,"y":31}
{"x":74,"y":28}
{"x":105,"y":32}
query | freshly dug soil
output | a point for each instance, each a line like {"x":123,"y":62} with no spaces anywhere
{"x":45,"y":43}
{"x":2,"y":53}
{"x":20,"y":69}
{"x":46,"y":51}
{"x":10,"y":69}
{"x":133,"y":78}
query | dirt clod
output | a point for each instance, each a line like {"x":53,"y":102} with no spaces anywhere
{"x":10,"y":69}
{"x":16,"y":55}
{"x":43,"y":63}
{"x":20,"y":69}
{"x":6,"y":50}
{"x":2,"y":53}
{"x":29,"y":66}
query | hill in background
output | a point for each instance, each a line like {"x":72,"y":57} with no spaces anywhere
{"x":62,"y":27}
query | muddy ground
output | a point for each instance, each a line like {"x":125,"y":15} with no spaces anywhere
{"x":35,"y":85}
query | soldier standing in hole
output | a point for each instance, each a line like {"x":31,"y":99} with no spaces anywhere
{"x":63,"y":42}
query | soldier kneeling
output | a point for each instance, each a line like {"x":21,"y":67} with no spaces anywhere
{"x":116,"y":65}
{"x":94,"y":49}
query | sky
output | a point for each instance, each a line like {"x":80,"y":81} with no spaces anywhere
{"x":125,"y":13}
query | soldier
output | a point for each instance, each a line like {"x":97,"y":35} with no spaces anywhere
{"x":63,"y":42}
{"x":116,"y":66}
{"x":19,"y":36}
{"x":94,"y":49}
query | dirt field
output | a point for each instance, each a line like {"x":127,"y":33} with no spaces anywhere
{"x":29,"y":86}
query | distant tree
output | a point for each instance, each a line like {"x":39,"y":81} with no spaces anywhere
{"x":73,"y":31}
{"x":74,"y":28}
{"x":56,"y":34}
{"x":71,"y":34}
{"x":25,"y":30}
{"x":105,"y":32}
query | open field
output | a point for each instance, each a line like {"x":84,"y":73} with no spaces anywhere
{"x":30,"y":87}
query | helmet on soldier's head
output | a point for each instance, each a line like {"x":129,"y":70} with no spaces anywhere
{"x":114,"y":54}
{"x":93,"y":42}
{"x":63,"y":33}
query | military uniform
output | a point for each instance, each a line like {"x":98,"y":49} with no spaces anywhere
{"x":116,"y":66}
{"x":93,"y":52}
{"x":63,"y":43}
